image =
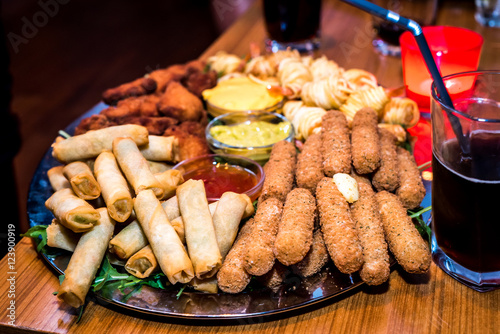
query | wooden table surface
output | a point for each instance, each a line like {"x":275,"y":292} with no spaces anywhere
{"x":430,"y":303}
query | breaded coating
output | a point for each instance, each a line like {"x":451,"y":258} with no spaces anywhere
{"x":339,"y":232}
{"x":405,"y":243}
{"x":279,"y":171}
{"x":295,"y":229}
{"x":179,"y":103}
{"x":138,"y":87}
{"x":376,"y":266}
{"x":316,"y":258}
{"x":164,"y":76}
{"x":232,"y":277}
{"x":411,"y":189}
{"x":274,"y":277}
{"x":386,"y":177}
{"x":196,"y":80}
{"x":310,"y":163}
{"x":259,"y":257}
{"x":365,"y":143}
{"x":335,"y":143}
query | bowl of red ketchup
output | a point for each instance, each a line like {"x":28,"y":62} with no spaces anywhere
{"x":224,"y":172}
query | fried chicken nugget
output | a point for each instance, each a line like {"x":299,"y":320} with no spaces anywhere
{"x":376,"y":266}
{"x":164,"y":76}
{"x":335,"y":143}
{"x":365,"y":143}
{"x":386,"y":177}
{"x":259,"y":257}
{"x":232,"y":277}
{"x":411,"y":190}
{"x":179,"y":103}
{"x":315,"y":259}
{"x":138,"y":87}
{"x":310,"y":164}
{"x":339,"y":232}
{"x":280,"y":171}
{"x":408,"y":247}
{"x":295,"y":229}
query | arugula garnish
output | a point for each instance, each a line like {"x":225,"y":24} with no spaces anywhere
{"x":38,"y":232}
{"x":421,"y":225}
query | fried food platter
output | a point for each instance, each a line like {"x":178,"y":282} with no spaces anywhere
{"x":295,"y":293}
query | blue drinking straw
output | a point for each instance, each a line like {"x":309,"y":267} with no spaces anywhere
{"x":417,"y":32}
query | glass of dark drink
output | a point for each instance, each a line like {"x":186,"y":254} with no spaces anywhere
{"x":466,"y":180}
{"x":292,"y":24}
{"x":386,"y":40}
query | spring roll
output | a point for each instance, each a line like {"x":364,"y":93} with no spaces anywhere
{"x":167,"y":247}
{"x":93,"y":142}
{"x":143,"y":263}
{"x":226,"y":219}
{"x":135,"y":167}
{"x":86,"y":260}
{"x":82,"y":180}
{"x":171,"y":207}
{"x":72,"y":211}
{"x":158,"y":166}
{"x":114,"y":187}
{"x":61,"y":237}
{"x":178,"y":225}
{"x":199,"y":228}
{"x":208,"y":285}
{"x":57,"y":179}
{"x":128,"y":241}
{"x":161,"y":148}
{"x":169,"y":180}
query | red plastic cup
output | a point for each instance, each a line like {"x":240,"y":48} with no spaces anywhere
{"x":454,"y":49}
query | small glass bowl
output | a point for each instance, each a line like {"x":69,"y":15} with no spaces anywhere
{"x":216,"y":111}
{"x":224,"y":172}
{"x":257,"y":153}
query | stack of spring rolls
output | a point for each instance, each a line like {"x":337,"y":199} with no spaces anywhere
{"x":120,"y":177}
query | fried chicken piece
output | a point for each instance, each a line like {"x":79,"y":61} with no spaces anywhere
{"x":138,"y":87}
{"x":94,"y":122}
{"x":179,"y":103}
{"x":194,"y":128}
{"x":190,"y":145}
{"x":145,"y":105}
{"x":197,"y":81}
{"x":165,"y":75}
{"x":155,"y":125}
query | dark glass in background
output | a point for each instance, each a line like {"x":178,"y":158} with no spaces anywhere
{"x":294,"y":23}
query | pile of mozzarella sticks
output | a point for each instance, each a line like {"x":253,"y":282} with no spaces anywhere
{"x":344,"y":197}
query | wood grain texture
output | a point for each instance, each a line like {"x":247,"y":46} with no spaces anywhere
{"x":430,"y":303}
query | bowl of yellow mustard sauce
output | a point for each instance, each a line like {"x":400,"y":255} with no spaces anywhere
{"x":241,"y":94}
{"x":251,"y":134}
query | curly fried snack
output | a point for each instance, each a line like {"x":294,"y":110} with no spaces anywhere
{"x":365,"y":144}
{"x":411,"y":190}
{"x":375,"y":269}
{"x":280,"y":171}
{"x":259,"y":257}
{"x":408,"y":247}
{"x":295,"y":229}
{"x":138,"y":87}
{"x":232,"y":277}
{"x":316,"y":258}
{"x":386,"y":177}
{"x":339,"y":232}
{"x":309,"y":164}
{"x":335,"y":143}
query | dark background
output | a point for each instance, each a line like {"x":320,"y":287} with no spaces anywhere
{"x":58,"y":56}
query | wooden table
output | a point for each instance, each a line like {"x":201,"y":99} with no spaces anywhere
{"x":430,"y":303}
